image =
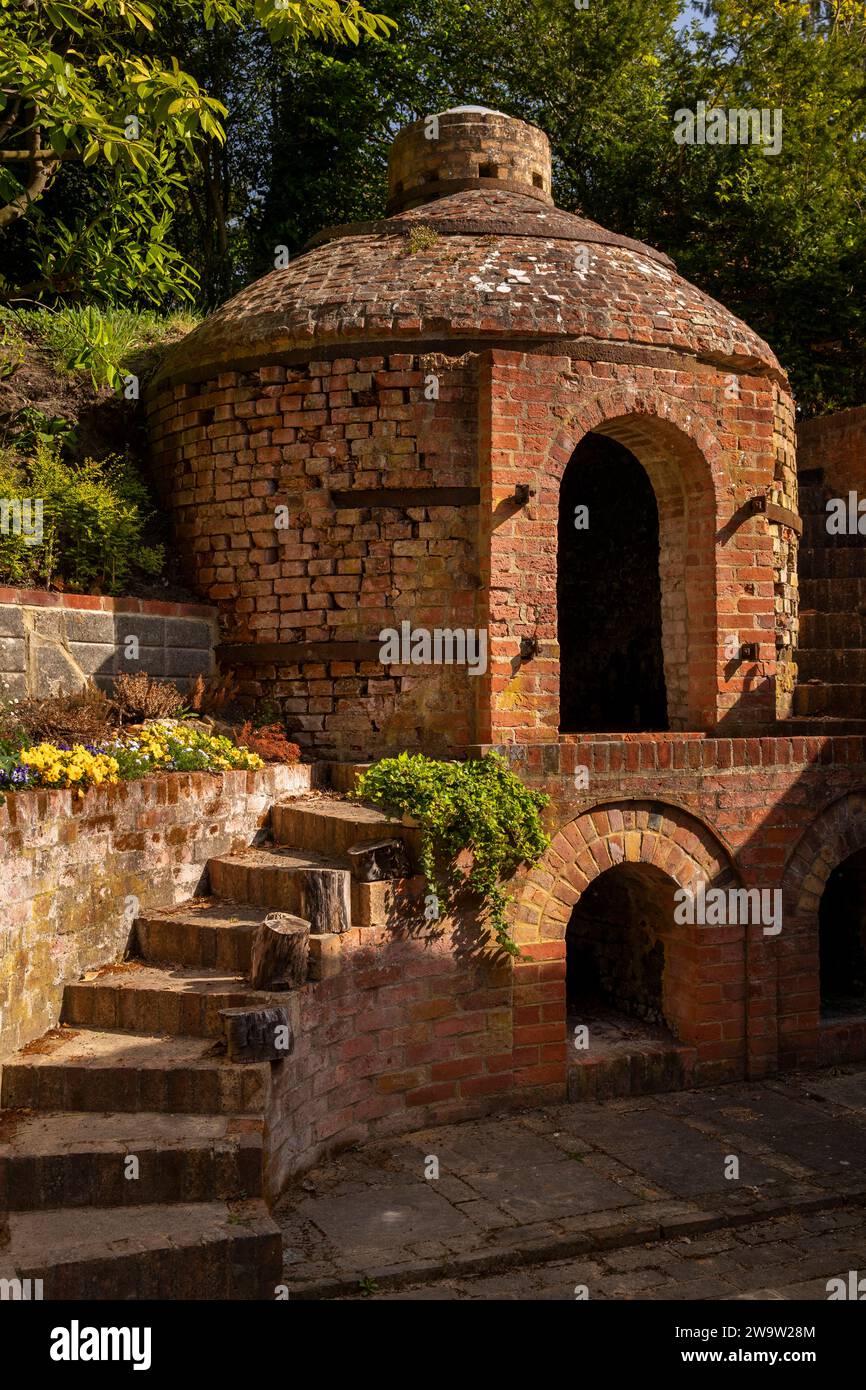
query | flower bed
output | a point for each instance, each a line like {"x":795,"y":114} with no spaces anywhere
{"x":154,"y":747}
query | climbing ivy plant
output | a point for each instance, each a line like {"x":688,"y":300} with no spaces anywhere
{"x":479,"y":806}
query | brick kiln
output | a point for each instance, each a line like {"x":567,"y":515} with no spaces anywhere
{"x":486,"y":417}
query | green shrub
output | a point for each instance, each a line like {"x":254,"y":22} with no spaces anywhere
{"x":94,"y":516}
{"x":479,"y":806}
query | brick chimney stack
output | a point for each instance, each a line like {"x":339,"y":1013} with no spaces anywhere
{"x":467,"y":147}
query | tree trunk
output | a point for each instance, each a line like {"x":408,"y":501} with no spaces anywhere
{"x":257,"y":1035}
{"x":281,"y":948}
{"x":327,"y":900}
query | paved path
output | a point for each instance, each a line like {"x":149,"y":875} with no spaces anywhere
{"x":703,"y":1194}
{"x":789,"y":1258}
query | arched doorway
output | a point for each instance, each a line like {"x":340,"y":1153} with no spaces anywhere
{"x":842,"y":939}
{"x":609,"y":593}
{"x":623,"y":949}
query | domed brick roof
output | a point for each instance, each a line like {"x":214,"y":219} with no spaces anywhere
{"x":499,"y":266}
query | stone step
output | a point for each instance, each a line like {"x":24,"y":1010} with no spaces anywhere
{"x":271,"y":877}
{"x":832,"y":563}
{"x":216,"y":935}
{"x":824,"y":698}
{"x":88,"y":1069}
{"x":831,"y":631}
{"x":80,"y":1160}
{"x":330,"y":825}
{"x":215,"y":1250}
{"x":142,"y":998}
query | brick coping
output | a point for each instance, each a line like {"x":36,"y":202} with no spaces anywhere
{"x":102,"y":603}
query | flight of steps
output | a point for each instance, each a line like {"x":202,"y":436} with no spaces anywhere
{"x":830,"y":697}
{"x":138,"y":1070}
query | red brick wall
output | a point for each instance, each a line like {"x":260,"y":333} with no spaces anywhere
{"x":411,"y":1032}
{"x":761,"y":812}
{"x":721,"y":567}
{"x":231,"y":450}
{"x":836,"y":443}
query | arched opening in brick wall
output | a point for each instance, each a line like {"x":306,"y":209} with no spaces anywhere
{"x":625,"y":861}
{"x":658,"y":454}
{"x":609,"y":598}
{"x":842,"y":939}
{"x":625,"y":953}
{"x":822,"y":1014}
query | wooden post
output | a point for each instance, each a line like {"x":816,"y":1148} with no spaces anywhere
{"x":373,"y":862}
{"x":257,"y":1035}
{"x":327,"y":899}
{"x":280,"y":952}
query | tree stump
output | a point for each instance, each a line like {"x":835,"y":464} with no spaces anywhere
{"x":257,"y":1035}
{"x":327,"y":900}
{"x":280,"y":952}
{"x":386,"y":859}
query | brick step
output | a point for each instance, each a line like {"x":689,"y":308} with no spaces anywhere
{"x":340,"y":777}
{"x":831,"y":631}
{"x":830,"y":665}
{"x":801,"y":726}
{"x":272,"y":877}
{"x":79,"y":1160}
{"x":834,"y":595}
{"x":816,"y":536}
{"x":841,"y":701}
{"x":88,"y":1069}
{"x":329,"y":825}
{"x":832,"y":563}
{"x":205,"y":932}
{"x":142,"y":998}
{"x":214,"y":1250}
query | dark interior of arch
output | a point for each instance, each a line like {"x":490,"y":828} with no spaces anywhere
{"x":615,"y":943}
{"x":842,"y":937}
{"x":609,"y":594}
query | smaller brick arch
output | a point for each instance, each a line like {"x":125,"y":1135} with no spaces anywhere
{"x":614,"y":833}
{"x":839,"y":830}
{"x":710,"y":963}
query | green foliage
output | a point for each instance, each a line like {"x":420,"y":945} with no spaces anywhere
{"x":478,"y":806}
{"x":96,"y":84}
{"x":31,"y":428}
{"x":100,"y":341}
{"x":94,"y":516}
{"x":13,"y":344}
{"x":779,"y":240}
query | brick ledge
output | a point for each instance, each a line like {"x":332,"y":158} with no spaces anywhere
{"x":102,"y":603}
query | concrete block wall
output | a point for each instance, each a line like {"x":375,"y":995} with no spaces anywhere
{"x":52,"y":644}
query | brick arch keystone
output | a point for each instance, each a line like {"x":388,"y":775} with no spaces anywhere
{"x":647,"y":832}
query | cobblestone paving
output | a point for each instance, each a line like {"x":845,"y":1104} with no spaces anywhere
{"x":634,"y":1198}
